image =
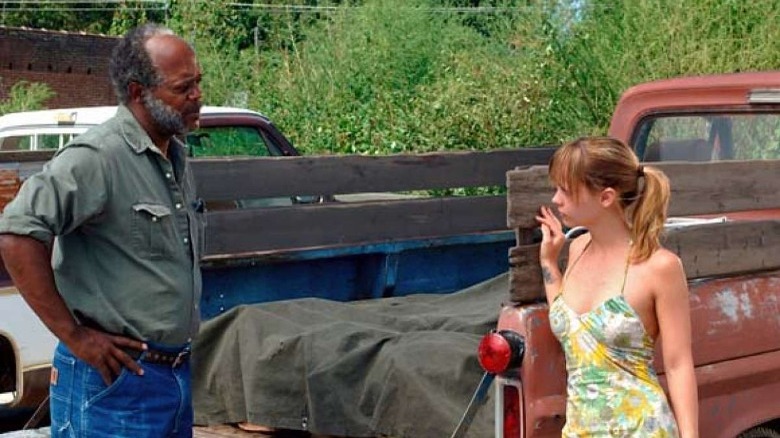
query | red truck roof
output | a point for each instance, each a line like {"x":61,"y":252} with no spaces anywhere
{"x":695,"y":92}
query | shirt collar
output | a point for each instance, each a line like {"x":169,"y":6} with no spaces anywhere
{"x":138,"y":139}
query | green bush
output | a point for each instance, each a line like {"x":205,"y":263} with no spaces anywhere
{"x":26,"y":96}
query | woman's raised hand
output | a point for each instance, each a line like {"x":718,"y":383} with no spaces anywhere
{"x":552,"y":236}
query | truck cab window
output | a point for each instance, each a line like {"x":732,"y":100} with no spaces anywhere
{"x":227,"y":141}
{"x":15,"y":143}
{"x":709,"y":137}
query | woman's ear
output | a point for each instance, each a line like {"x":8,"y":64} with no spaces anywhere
{"x":608,"y":197}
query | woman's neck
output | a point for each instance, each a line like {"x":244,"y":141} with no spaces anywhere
{"x":609,"y":233}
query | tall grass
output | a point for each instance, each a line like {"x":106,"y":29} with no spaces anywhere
{"x":401,"y":76}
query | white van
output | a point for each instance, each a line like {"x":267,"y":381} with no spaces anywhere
{"x":48,"y":129}
{"x":243,"y":131}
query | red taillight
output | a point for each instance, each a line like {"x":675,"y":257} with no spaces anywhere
{"x":499,"y":351}
{"x":494,"y":353}
{"x":511,"y":412}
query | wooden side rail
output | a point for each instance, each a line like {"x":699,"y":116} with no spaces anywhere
{"x":251,"y":231}
{"x":258,"y":230}
{"x":242,"y":178}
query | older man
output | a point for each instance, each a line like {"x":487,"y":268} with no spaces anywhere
{"x":104,"y":244}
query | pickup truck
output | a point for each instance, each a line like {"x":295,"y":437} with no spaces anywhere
{"x":718,"y":140}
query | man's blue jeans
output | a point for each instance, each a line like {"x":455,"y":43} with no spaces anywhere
{"x":157,"y":404}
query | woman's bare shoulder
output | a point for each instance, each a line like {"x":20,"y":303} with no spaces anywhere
{"x":666,"y":270}
{"x":664,"y":260}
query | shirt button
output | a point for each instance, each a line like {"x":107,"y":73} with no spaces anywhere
{"x":186,"y":240}
{"x":154,"y":218}
{"x":178,"y":206}
{"x":168,"y":175}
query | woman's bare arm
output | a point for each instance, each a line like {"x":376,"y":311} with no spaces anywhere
{"x":674,"y":323}
{"x":549,"y":251}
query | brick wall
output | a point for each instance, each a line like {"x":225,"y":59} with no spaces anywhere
{"x":9,"y":185}
{"x":73,"y":65}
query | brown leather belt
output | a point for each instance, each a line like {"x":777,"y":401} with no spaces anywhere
{"x":172,"y":358}
{"x":166,"y":358}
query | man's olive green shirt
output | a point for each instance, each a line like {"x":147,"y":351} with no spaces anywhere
{"x":128,"y":233}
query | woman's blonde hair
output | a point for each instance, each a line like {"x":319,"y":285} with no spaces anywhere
{"x":605,"y":162}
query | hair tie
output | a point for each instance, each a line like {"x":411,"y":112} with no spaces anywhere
{"x":640,"y":171}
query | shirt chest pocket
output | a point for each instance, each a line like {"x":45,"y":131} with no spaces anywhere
{"x":154,"y":232}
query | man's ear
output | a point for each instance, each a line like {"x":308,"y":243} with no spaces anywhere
{"x":608,"y":197}
{"x":135,"y":91}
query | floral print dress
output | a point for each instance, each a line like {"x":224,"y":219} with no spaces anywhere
{"x":612,"y":388}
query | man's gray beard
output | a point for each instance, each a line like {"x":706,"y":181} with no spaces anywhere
{"x":167,"y":119}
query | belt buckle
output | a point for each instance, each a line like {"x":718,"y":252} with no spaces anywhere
{"x":180,"y":358}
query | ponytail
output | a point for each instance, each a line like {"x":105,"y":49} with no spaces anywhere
{"x":648,"y":216}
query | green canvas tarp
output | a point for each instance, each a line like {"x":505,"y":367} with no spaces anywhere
{"x":396,"y":367}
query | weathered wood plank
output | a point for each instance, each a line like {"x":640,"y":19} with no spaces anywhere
{"x":230,"y":431}
{"x":246,"y":178}
{"x":706,"y":251}
{"x":527,"y":190}
{"x":697,"y":188}
{"x":308,"y":226}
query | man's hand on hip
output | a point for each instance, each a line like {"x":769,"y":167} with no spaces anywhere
{"x":105,"y":352}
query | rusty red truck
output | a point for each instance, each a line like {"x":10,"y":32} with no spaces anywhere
{"x":718,"y":140}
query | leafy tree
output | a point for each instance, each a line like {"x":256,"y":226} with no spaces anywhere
{"x":129,"y":14}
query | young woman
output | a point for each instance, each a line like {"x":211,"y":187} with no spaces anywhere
{"x":620,"y":293}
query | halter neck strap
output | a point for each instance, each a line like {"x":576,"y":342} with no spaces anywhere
{"x":571,"y":266}
{"x":587,"y":245}
{"x":628,"y":263}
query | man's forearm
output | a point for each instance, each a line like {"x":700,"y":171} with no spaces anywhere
{"x":28,"y":262}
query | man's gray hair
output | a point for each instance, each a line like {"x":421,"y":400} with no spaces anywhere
{"x":130,"y":62}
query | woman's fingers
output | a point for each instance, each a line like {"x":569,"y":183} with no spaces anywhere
{"x":545,"y":232}
{"x":553,"y":218}
{"x":546,"y":218}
